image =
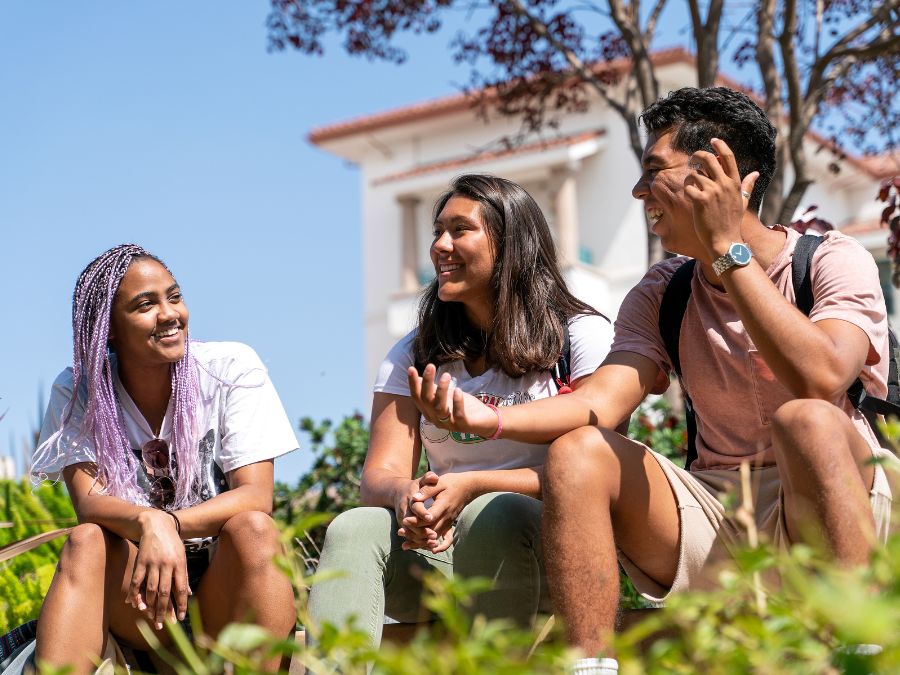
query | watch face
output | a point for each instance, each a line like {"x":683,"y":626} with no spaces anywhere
{"x":740,"y":253}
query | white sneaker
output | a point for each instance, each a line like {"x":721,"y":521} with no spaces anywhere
{"x":595,"y":667}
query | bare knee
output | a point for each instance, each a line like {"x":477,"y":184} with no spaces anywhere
{"x":84,"y":554}
{"x":802,"y":416}
{"x":807,"y":428}
{"x":579,"y":460}
{"x":252,"y":535}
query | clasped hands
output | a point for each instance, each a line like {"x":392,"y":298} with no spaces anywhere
{"x":432,"y":528}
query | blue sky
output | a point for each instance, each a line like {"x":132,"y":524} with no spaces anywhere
{"x":170,"y":125}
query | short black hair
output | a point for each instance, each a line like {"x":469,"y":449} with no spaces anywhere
{"x":699,"y":115}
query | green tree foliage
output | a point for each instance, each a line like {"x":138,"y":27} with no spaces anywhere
{"x":332,"y":483}
{"x":24,"y":579}
{"x":656,"y":426}
{"x":331,"y":486}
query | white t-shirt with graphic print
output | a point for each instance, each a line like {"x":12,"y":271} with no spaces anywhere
{"x":590,"y":337}
{"x":241,"y":418}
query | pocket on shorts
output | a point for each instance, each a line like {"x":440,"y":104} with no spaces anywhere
{"x":770,"y":395}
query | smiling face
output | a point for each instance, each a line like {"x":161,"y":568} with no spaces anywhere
{"x":463,"y":255}
{"x":661,"y":188}
{"x":149,"y":319}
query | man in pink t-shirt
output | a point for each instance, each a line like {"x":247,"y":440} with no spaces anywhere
{"x":768,"y":385}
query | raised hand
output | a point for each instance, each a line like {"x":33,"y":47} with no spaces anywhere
{"x":718,"y":195}
{"x":454,"y":410}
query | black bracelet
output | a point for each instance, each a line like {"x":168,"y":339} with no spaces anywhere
{"x":177,"y":522}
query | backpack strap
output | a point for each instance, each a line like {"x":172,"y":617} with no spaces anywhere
{"x":671,"y":314}
{"x":801,"y":278}
{"x":870,"y":406}
{"x":561,"y":372}
{"x":801,"y":265}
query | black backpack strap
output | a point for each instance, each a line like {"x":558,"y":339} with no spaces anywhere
{"x":801,"y":265}
{"x":801,"y":276}
{"x":870,"y":406}
{"x":561,"y":372}
{"x":671,"y":314}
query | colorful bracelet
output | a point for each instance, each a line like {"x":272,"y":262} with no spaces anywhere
{"x":499,"y":431}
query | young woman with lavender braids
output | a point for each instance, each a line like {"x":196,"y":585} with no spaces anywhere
{"x":166,"y":447}
{"x":495,"y":319}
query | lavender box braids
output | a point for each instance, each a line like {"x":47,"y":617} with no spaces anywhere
{"x":117,"y":465}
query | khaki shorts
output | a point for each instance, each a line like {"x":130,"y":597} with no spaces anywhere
{"x":706,"y":504}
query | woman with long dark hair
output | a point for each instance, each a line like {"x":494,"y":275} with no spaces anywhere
{"x":167,"y":448}
{"x":499,"y":320}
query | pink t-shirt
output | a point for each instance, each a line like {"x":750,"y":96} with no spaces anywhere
{"x":734,"y":392}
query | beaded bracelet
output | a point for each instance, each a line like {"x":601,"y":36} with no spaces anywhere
{"x":499,"y":431}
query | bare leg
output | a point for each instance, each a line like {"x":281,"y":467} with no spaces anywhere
{"x":599,"y":490}
{"x":87,"y":599}
{"x":822,"y":461}
{"x":243,"y":583}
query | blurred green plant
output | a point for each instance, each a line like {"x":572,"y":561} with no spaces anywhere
{"x":807,"y":618}
{"x":331,"y":486}
{"x":25,"y":579}
{"x":656,"y":425}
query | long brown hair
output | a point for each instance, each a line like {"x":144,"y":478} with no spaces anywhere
{"x":532,"y":303}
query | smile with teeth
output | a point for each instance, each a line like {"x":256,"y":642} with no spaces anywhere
{"x":450,"y":267}
{"x":653,"y":215}
{"x":168,"y":332}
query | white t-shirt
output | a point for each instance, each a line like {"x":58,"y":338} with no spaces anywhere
{"x":239,"y":425}
{"x":590,"y":337}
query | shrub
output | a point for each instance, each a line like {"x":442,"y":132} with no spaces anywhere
{"x":24,"y":580}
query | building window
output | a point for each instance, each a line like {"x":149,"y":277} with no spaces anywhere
{"x":585,"y":255}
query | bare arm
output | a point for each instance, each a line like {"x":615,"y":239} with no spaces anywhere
{"x":250,"y":489}
{"x":812,"y":360}
{"x":159,"y":584}
{"x":605,"y":398}
{"x":116,"y":515}
{"x":388,"y":477}
{"x":394,"y":451}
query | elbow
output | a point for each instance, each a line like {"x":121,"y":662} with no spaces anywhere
{"x":825,"y":388}
{"x":367,"y":494}
{"x":263,"y":502}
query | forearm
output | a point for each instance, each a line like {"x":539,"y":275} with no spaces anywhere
{"x":114,"y":514}
{"x":525,"y":481}
{"x":591,"y":404}
{"x":546,"y":419}
{"x":382,"y":487}
{"x":207,"y":518}
{"x":803,"y":357}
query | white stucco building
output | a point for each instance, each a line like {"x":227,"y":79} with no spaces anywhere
{"x":581,"y":175}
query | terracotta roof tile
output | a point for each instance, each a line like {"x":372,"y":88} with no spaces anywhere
{"x":447,"y":105}
{"x":879,"y":166}
{"x":459,"y":162}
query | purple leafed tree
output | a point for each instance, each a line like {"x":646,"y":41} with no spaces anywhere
{"x":890,"y":218}
{"x":826,"y":65}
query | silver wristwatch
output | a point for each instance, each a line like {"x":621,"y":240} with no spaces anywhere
{"x":738,"y":255}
